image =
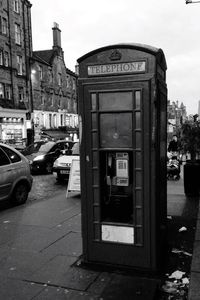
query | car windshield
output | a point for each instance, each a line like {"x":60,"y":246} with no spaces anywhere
{"x":46,"y":147}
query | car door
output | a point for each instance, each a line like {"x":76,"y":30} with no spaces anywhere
{"x":7,"y":175}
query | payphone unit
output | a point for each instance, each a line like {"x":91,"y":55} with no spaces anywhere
{"x":123,"y":113}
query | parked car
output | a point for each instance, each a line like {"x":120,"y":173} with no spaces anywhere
{"x":43,"y":159}
{"x":32,"y":148}
{"x":15,"y":178}
{"x":62,"y":165}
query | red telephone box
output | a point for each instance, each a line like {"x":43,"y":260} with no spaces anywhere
{"x":123,"y":119}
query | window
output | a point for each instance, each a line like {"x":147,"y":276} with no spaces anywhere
{"x":59,"y":79}
{"x":19,"y":65}
{"x":74,"y":84}
{"x":8,"y":91}
{"x":51,"y":100}
{"x":1,"y":57}
{"x":50,"y":76}
{"x":14,"y":157}
{"x":61,"y":120}
{"x":42,"y":99}
{"x":59,"y":101}
{"x":6,"y":59}
{"x":3,"y":159}
{"x":21,"y":93}
{"x":17,"y":34}
{"x":4,"y":26}
{"x":40,"y":72}
{"x":68,"y":81}
{"x":2,"y":93}
{"x":16,"y":6}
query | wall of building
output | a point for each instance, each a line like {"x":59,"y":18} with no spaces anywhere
{"x":54,"y":89}
{"x":15,"y":72}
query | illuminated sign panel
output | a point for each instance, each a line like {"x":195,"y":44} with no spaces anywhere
{"x":120,"y":68}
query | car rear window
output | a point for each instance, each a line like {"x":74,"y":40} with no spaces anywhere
{"x":3,"y":159}
{"x":14,"y":157}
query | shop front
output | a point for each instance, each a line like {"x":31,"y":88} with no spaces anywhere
{"x":13,"y":126}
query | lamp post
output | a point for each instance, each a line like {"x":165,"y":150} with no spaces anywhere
{"x":191,"y":2}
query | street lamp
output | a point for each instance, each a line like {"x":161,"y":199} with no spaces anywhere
{"x":191,"y":2}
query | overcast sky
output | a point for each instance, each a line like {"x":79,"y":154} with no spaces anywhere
{"x":86,"y":25}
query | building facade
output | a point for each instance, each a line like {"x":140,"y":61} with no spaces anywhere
{"x":176,"y":115}
{"x":54,"y":89}
{"x":15,"y":85}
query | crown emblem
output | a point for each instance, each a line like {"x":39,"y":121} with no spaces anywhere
{"x":115,"y":55}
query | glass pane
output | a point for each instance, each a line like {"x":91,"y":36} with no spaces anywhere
{"x":95,"y":159}
{"x":138,"y":198}
{"x":139,"y":236}
{"x":94,"y":121}
{"x":138,"y":120}
{"x":116,"y":101}
{"x":116,"y":130}
{"x":137,"y":99}
{"x":138,"y":159}
{"x":95,"y":177}
{"x":96,"y":232}
{"x":138,"y":141}
{"x":138,"y":179}
{"x":94,"y":140}
{"x":93,"y":101}
{"x":96,"y":213}
{"x":139,"y":216}
{"x":96,"y":195}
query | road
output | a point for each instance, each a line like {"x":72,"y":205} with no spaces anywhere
{"x":45,"y":186}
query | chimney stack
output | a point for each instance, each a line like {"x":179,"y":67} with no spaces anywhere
{"x":56,"y":36}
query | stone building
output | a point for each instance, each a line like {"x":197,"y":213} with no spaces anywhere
{"x":15,"y":86}
{"x":176,"y":115}
{"x":54,"y":90}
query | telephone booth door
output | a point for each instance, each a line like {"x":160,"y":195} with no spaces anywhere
{"x":117,"y":165}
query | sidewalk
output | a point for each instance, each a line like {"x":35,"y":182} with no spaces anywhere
{"x":182,"y":208}
{"x":40,"y":249}
{"x":194,"y":288}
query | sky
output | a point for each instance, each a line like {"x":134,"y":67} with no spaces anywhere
{"x":87,"y":25}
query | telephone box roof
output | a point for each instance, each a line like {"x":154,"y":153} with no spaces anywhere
{"x":158,"y":52}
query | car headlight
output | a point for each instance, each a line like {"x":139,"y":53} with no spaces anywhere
{"x":40,"y":157}
{"x":56,"y":164}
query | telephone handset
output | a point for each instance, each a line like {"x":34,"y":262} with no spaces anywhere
{"x":117,"y":169}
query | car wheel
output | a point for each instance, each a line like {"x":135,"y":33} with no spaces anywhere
{"x":49,"y":167}
{"x":20,"y":194}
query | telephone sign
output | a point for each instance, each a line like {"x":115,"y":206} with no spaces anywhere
{"x":123,"y":111}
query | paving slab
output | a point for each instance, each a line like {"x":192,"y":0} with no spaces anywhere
{"x":197,"y":234}
{"x":194,"y":287}
{"x":11,"y":289}
{"x":20,"y":264}
{"x":31,"y":238}
{"x":47,"y":213}
{"x":56,"y":293}
{"x":72,"y":224}
{"x":97,"y":287}
{"x":70,"y":244}
{"x":195,"y":266}
{"x":131,"y":288}
{"x":61,"y":272}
